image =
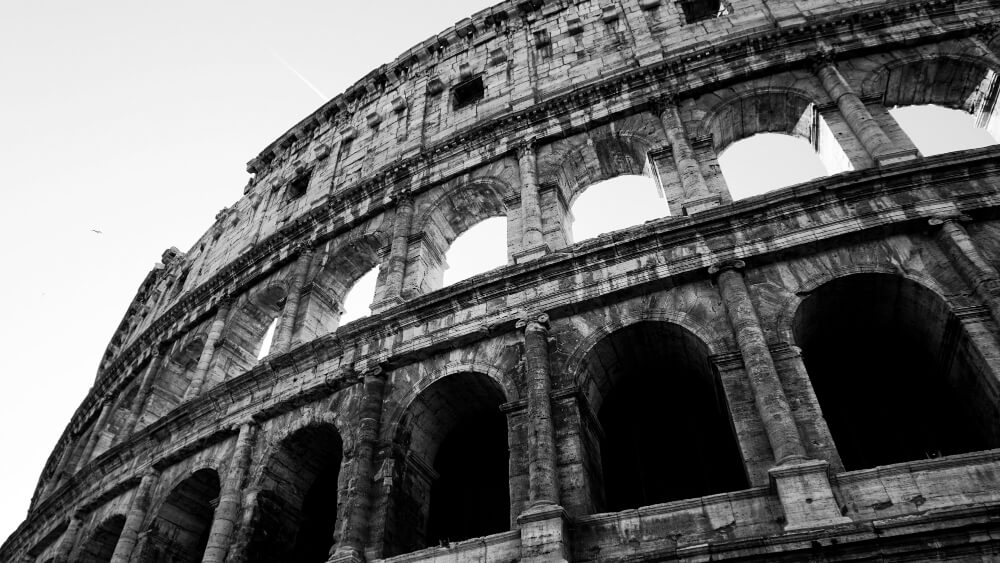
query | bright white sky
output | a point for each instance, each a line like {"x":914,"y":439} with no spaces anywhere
{"x":136,"y":120}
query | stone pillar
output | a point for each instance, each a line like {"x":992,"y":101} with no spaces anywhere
{"x":68,"y":540}
{"x":214,"y":333}
{"x":283,"y":335}
{"x":228,"y":510}
{"x":803,"y":484}
{"x":398,"y":251}
{"x":134,"y":519}
{"x":532,"y":240}
{"x":697,"y":196}
{"x":95,"y":435}
{"x":963,"y":253}
{"x":142,"y":395}
{"x":357,"y":530}
{"x":544,"y":525}
{"x":858,"y":118}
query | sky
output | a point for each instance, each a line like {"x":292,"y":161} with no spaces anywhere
{"x":126,"y":128}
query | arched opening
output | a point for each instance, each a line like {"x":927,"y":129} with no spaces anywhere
{"x":175,"y":375}
{"x":667,"y":431}
{"x":101,"y":545}
{"x":452,"y":483}
{"x":941,"y":104}
{"x":771,"y":140}
{"x":297,"y":505}
{"x":892,"y":371}
{"x":481,"y":248}
{"x":465,"y":210}
{"x":179,"y":533}
{"x":936,"y":129}
{"x":343,"y":289}
{"x":246,"y":331}
{"x":769,"y":161}
{"x":359,"y":299}
{"x":617,"y":203}
{"x":265,"y":345}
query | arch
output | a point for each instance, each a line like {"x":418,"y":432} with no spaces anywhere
{"x":336,"y":270}
{"x":180,"y":529}
{"x":296,"y":508}
{"x":453,"y":422}
{"x":174,"y":376}
{"x":637,"y":199}
{"x":893,"y":370}
{"x":443,"y":219}
{"x":100,"y":546}
{"x":244,"y":331}
{"x":659,"y":402}
{"x":576,"y":163}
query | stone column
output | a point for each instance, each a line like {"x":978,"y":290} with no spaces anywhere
{"x":134,"y":519}
{"x":803,"y":484}
{"x":68,"y":540}
{"x":532,"y":240}
{"x":283,"y":335}
{"x":95,"y":435}
{"x":544,"y":525}
{"x":963,"y":253}
{"x":208,"y":352}
{"x":356,"y":532}
{"x":696,"y":194}
{"x":228,"y":510}
{"x":398,"y":252}
{"x":858,"y":118}
{"x":142,"y":395}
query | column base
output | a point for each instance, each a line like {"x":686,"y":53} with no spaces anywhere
{"x":531,"y":253}
{"x":896,"y":157}
{"x":806,"y":496}
{"x":694,"y":205}
{"x":544,"y":534}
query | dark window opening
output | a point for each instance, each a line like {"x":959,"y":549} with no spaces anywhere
{"x":892,"y":373}
{"x":181,"y":528}
{"x":297,"y":187}
{"x":667,"y":429}
{"x":699,"y":10}
{"x":297,"y":508}
{"x":101,"y":546}
{"x":472,"y":481}
{"x":469,"y":92}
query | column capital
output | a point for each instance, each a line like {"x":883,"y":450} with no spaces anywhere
{"x":533,"y":322}
{"x":304,"y":247}
{"x":821,"y":59}
{"x":525,"y":147}
{"x":402,"y":197}
{"x":725,"y":265}
{"x":939,"y":220}
{"x":377,"y":371}
{"x":663,"y":102}
{"x":226,"y":301}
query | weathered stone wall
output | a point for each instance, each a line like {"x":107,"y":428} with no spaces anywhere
{"x":340,"y":426}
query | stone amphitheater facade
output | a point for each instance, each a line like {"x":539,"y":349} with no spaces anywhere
{"x":809,"y":374}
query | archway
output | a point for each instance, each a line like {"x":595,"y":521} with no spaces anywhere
{"x":359,"y":298}
{"x":616,"y":203}
{"x":453,"y":481}
{"x":179,"y":532}
{"x":668,"y":434}
{"x":350,"y":271}
{"x":100,"y":547}
{"x":297,"y":504}
{"x":772,"y":139}
{"x":937,"y":129}
{"x":481,"y":248}
{"x":892,"y":370}
{"x":175,"y":375}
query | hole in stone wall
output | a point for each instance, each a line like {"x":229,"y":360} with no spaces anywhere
{"x":297,"y":187}
{"x":100,"y":547}
{"x":181,"y":527}
{"x":453,"y":474}
{"x":668,"y":434}
{"x":698,"y":10}
{"x":468,"y":92}
{"x":937,"y":130}
{"x":614,"y":204}
{"x":297,"y":505}
{"x":892,"y":371}
{"x":768,"y":161}
{"x":265,"y":345}
{"x":481,"y":248}
{"x":358,"y":301}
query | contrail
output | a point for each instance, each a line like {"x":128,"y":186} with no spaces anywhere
{"x":302,"y":78}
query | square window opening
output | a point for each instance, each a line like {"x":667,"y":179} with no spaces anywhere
{"x":700,"y":10}
{"x":469,"y":92}
{"x":297,"y":187}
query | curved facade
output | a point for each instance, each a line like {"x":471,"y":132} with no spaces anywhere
{"x":808,"y":374}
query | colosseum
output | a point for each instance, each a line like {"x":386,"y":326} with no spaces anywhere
{"x":807,"y":374}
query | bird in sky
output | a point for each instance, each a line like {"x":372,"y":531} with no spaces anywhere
{"x":96,"y":231}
